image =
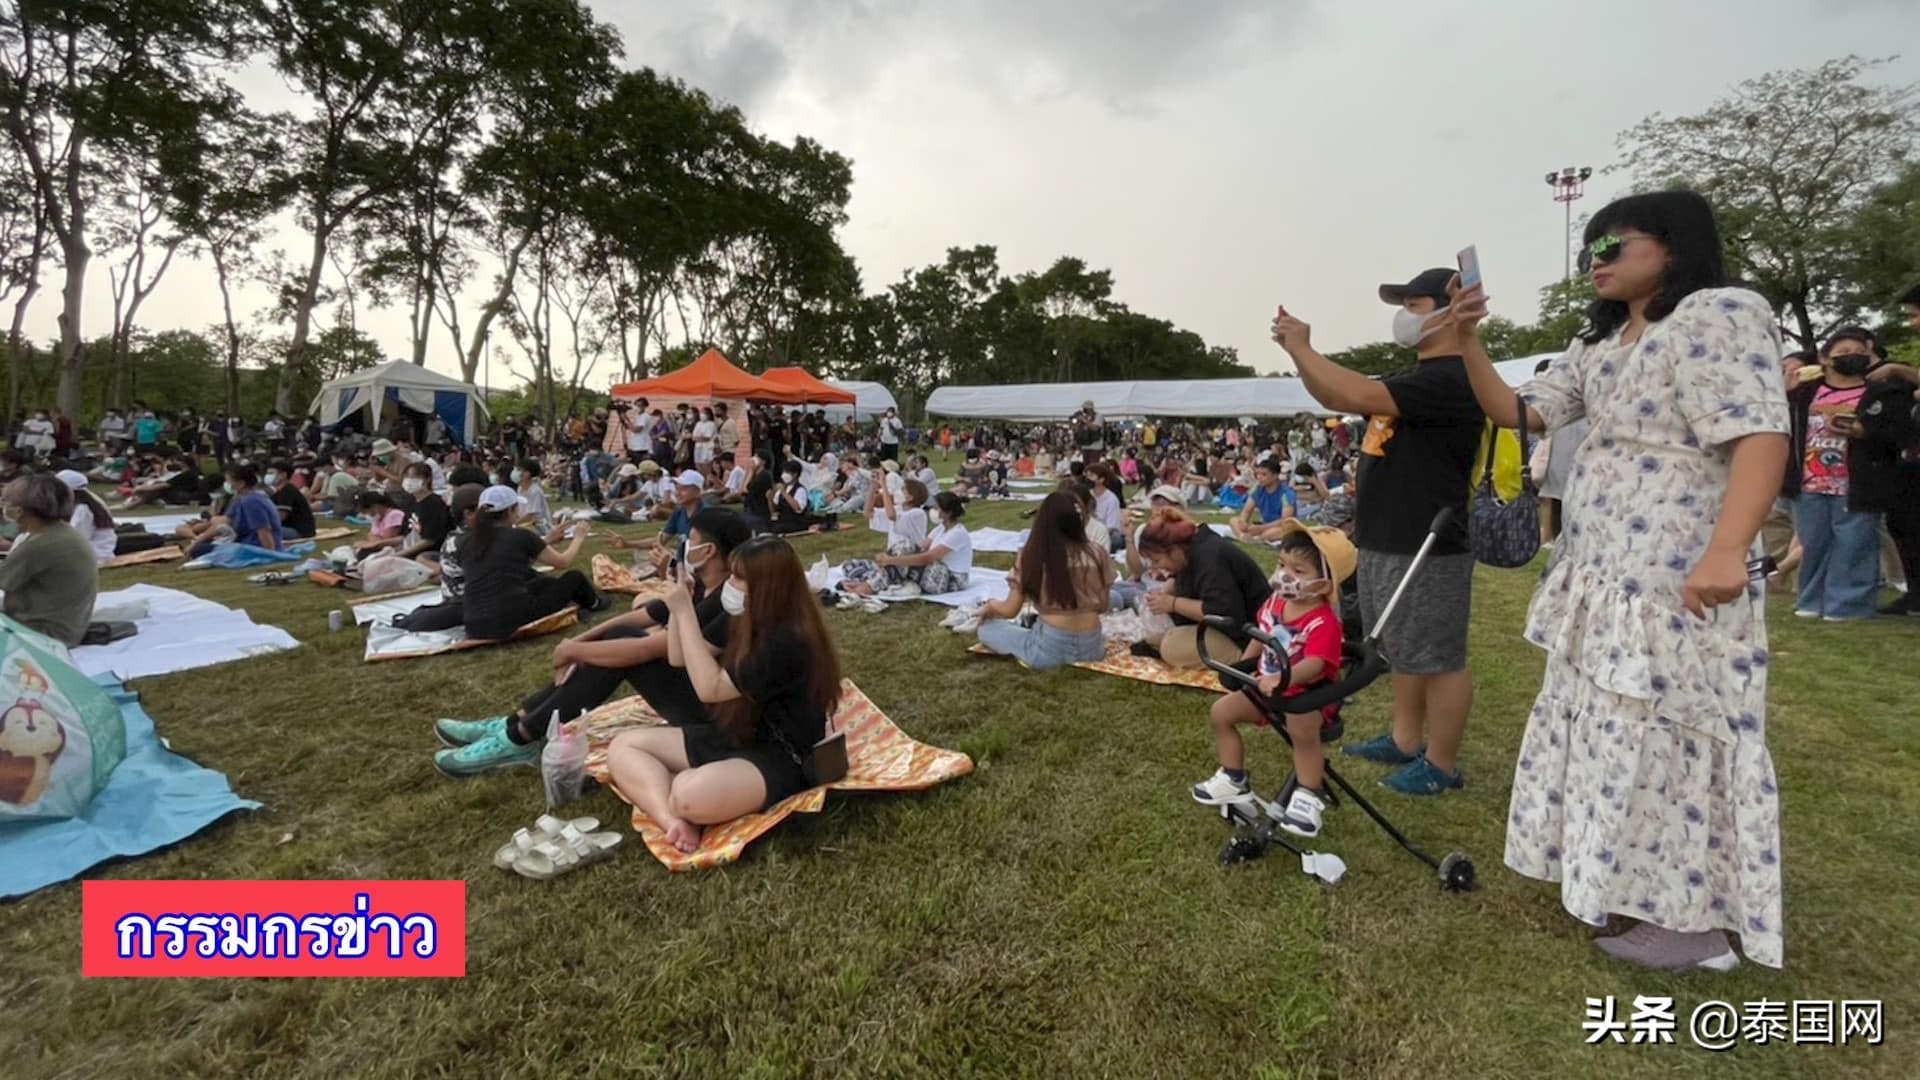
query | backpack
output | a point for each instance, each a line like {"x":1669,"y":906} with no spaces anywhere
{"x":1505,"y":531}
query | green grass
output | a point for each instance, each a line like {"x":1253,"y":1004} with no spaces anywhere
{"x":1059,"y":911}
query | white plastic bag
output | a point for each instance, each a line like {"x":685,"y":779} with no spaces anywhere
{"x":1153,"y":627}
{"x":391,"y":573}
{"x":563,"y":761}
{"x":817,"y":576}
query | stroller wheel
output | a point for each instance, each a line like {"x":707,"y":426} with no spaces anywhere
{"x":1241,"y":849}
{"x":1456,"y":872}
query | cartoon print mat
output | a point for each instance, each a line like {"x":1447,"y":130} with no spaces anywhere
{"x":880,"y":757}
{"x":614,"y":576}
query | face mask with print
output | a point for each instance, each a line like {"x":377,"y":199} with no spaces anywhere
{"x":1852,"y":365}
{"x":1410,"y":329}
{"x":733,"y":600}
{"x":413,"y":485}
{"x":1291,"y":587}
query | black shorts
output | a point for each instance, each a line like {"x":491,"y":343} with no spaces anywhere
{"x":706,"y":744}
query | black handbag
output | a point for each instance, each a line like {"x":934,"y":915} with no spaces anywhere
{"x":825,"y":763}
{"x":1505,"y":533}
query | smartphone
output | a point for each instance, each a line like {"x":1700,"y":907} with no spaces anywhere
{"x":1469,"y":267}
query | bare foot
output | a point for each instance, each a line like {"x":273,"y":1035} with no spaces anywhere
{"x":684,"y":835}
{"x":858,"y":588}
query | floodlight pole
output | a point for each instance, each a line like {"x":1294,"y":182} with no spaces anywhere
{"x":1568,"y":185}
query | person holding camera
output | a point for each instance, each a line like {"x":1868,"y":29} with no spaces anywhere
{"x":1839,"y":483}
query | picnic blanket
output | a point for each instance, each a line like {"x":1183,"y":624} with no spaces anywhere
{"x":983,"y":584}
{"x":390,"y":606}
{"x":991,"y":539}
{"x":393,"y":643}
{"x":230,"y":555}
{"x":880,"y":757}
{"x":1128,"y":666}
{"x":612,"y":575}
{"x":339,"y":533}
{"x":152,"y":555}
{"x":159,"y":524}
{"x":179,"y":632}
{"x":153,"y":798}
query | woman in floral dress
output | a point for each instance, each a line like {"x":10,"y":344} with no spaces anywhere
{"x":1643,"y":785}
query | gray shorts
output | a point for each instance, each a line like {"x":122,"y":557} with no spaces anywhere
{"x":1428,"y":632}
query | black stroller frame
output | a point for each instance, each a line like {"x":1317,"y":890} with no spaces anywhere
{"x":1256,"y":826}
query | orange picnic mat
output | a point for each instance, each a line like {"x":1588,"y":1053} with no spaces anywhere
{"x":151,"y":555}
{"x":552,"y":624}
{"x":1128,"y":666}
{"x":880,"y":757}
{"x":333,"y":534}
{"x":614,"y":576}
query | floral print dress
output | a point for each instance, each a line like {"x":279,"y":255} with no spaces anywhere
{"x":1643,"y":783}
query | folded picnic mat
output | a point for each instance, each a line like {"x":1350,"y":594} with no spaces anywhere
{"x":393,"y":643}
{"x":151,"y":555}
{"x":880,"y":757}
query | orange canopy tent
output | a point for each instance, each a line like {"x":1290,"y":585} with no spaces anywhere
{"x":815,"y":391}
{"x":710,"y":378}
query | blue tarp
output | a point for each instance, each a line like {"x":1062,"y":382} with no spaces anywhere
{"x":232,"y":555}
{"x":155,"y":798}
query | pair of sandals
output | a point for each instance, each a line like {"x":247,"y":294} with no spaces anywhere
{"x":555,"y":846}
{"x":963,"y":620}
{"x":872,"y":605}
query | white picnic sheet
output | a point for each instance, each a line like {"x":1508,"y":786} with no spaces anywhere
{"x":392,"y":607}
{"x":180,"y":632}
{"x":1223,"y":530}
{"x":1027,"y":482}
{"x":991,"y":539}
{"x":983,"y":584}
{"x":385,"y":640}
{"x":159,"y":524}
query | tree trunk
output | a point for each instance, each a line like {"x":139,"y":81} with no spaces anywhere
{"x":1804,"y":320}
{"x":76,"y":255}
{"x":302,"y":324}
{"x":233,"y":332}
{"x":502,"y":298}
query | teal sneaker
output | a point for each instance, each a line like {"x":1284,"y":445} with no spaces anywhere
{"x":1421,"y":777}
{"x":1383,"y":749}
{"x":458,"y":733}
{"x":492,"y":752}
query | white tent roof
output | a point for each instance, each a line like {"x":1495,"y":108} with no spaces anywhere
{"x":1193,"y":397}
{"x":871,"y":399}
{"x":414,"y":386}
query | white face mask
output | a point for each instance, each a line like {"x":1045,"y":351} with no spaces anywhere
{"x":706,"y":551}
{"x":733,"y":600}
{"x":1411,"y":329}
{"x":413,"y":485}
{"x":518,"y":476}
{"x":272,"y":479}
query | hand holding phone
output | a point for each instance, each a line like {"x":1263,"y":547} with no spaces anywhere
{"x":1469,"y":258}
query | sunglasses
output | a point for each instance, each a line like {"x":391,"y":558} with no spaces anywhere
{"x":1605,"y":249}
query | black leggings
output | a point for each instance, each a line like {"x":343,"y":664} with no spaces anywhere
{"x":551,"y":593}
{"x":1903,"y":524}
{"x":665,"y":687}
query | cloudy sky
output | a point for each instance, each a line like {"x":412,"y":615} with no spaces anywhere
{"x":1219,"y":156}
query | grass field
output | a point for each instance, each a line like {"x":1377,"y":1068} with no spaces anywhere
{"x":1059,"y":911}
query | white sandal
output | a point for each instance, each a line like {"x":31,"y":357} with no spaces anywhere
{"x":569,"y":850}
{"x":546,"y":827}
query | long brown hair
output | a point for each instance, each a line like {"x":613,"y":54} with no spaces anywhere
{"x":1058,"y":532}
{"x":777,"y":599}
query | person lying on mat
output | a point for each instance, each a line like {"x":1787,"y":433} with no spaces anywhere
{"x":49,"y":575}
{"x":296,"y":515}
{"x":1211,"y":576}
{"x":503,"y":592}
{"x":1067,"y":578}
{"x":1312,"y":563}
{"x":1268,"y":506}
{"x":942,"y":563}
{"x":768,"y":695}
{"x":588,"y":668}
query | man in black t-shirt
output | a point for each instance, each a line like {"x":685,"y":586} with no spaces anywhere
{"x":296,"y":516}
{"x":1423,"y":430}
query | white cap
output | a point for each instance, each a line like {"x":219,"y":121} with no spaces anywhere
{"x":890,"y":465}
{"x":1170,"y":493}
{"x":74,"y":480}
{"x":629,"y":469}
{"x":381,"y":447}
{"x":500,"y":497}
{"x":691,"y":479}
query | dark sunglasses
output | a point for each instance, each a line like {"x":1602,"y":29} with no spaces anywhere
{"x":1604,"y":250}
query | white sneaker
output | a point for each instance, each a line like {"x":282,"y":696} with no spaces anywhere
{"x":968,"y":625}
{"x":906,"y":590}
{"x":873,"y":605}
{"x":1219,"y":790}
{"x":1803,"y":613}
{"x":1302,"y":814}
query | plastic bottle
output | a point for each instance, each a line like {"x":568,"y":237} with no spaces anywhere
{"x":563,"y":761}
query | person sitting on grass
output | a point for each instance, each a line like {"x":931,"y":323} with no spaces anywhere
{"x":851,"y":495}
{"x":429,"y":520}
{"x":90,"y":517}
{"x":792,"y":504}
{"x":1067,"y":578}
{"x":1312,"y":563}
{"x":296,"y":516}
{"x":503,"y":592}
{"x":1211,"y":576}
{"x":630,"y":648}
{"x":525,"y":477}
{"x":919,"y":468}
{"x":939,"y":563}
{"x":249,"y":516}
{"x":386,"y":525}
{"x":971,"y":481}
{"x":1268,"y":506}
{"x":463,"y":503}
{"x":769,"y":696}
{"x":49,"y":575}
{"x":178,"y":483}
{"x":906,"y":526}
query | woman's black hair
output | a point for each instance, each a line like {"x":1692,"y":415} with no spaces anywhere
{"x":1058,"y":531}
{"x":244,"y":472}
{"x":102,"y":517}
{"x":1681,"y":220}
{"x":1849,"y":333}
{"x":951,"y":505}
{"x":486,"y":523}
{"x":1911,"y":296}
{"x":371,"y":499}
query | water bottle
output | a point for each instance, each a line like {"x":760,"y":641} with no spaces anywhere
{"x":563,"y":761}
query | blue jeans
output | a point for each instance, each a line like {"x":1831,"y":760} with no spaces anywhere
{"x":1840,"y":557}
{"x":1043,"y":646}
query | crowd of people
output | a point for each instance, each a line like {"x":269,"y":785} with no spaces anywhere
{"x":1689,"y":462}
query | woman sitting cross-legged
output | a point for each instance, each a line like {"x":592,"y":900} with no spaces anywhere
{"x":587,"y":669}
{"x":906,"y":527}
{"x":503,"y":592}
{"x":942,"y":564}
{"x":768,"y":695}
{"x":1211,"y":576}
{"x":1067,"y":577}
{"x":793,"y":504}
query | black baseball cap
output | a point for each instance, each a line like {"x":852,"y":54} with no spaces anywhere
{"x":1431,"y":283}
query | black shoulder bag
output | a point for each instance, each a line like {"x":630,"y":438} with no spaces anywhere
{"x":1505,"y":533}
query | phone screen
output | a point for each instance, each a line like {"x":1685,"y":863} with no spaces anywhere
{"x":1469,"y":266}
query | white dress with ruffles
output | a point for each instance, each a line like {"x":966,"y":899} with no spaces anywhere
{"x":1643,"y":783}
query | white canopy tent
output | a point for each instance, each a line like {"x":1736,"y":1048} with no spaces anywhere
{"x":399,"y":384}
{"x":1119,"y":400}
{"x":870,"y":400}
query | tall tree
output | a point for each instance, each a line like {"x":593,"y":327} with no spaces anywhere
{"x":83,"y":82}
{"x":135,"y":225}
{"x":1787,"y":159}
{"x":24,"y":239}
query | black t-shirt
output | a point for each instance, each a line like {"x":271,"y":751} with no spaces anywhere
{"x":1224,"y":579}
{"x":759,"y":490}
{"x":298,"y":520}
{"x":431,"y":519}
{"x":1414,"y":464}
{"x":774,"y":679}
{"x":714,"y":620}
{"x":496,"y":596}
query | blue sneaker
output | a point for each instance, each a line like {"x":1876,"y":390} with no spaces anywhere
{"x":1383,"y":749}
{"x":458,"y":733}
{"x":1421,"y":777}
{"x":492,"y":752}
